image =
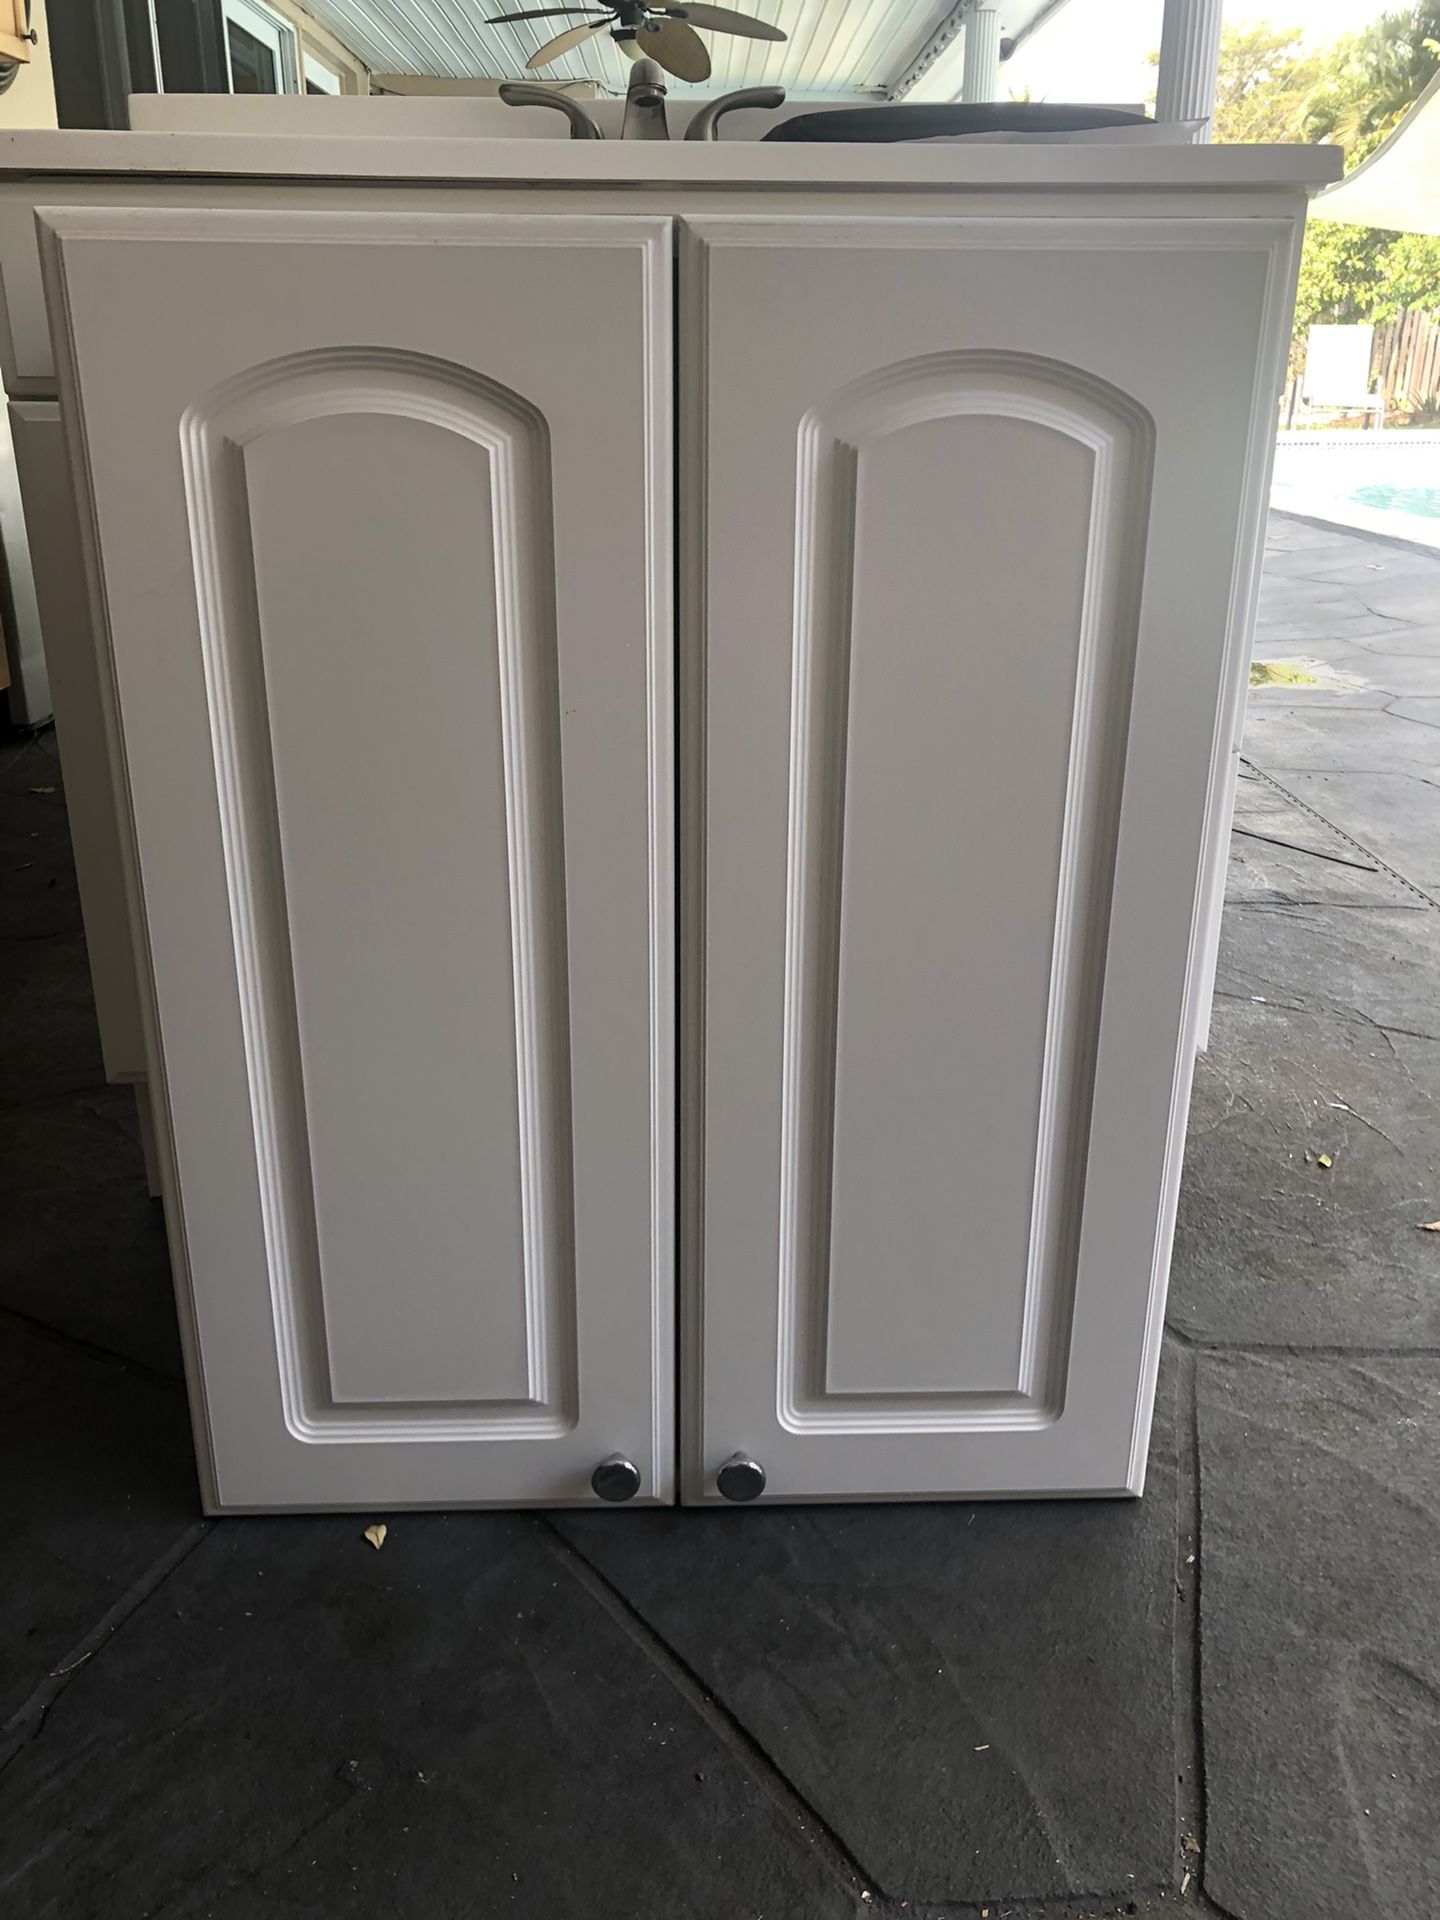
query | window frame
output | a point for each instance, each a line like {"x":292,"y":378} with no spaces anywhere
{"x":273,"y":31}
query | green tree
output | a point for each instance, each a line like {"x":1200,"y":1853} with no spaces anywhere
{"x":1352,"y":93}
{"x":1342,"y":273}
{"x":1373,"y":78}
{"x":1264,"y":85}
{"x":1412,"y":275}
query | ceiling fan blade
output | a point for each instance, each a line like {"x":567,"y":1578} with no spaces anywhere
{"x":565,"y":43}
{"x":678,"y":48}
{"x":724,"y":20}
{"x":540,"y":13}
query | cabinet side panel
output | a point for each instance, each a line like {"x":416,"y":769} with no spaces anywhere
{"x":71,"y":653}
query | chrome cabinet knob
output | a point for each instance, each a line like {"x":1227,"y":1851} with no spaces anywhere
{"x":741,"y":1478}
{"x":616,"y":1478}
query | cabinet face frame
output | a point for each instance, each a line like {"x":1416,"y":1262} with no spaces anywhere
{"x":1275,"y":241}
{"x":648,"y":651}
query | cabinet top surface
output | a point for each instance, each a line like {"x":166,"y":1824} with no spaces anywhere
{"x":459,"y":159}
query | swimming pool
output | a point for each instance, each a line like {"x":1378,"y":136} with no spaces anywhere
{"x":1385,"y":482}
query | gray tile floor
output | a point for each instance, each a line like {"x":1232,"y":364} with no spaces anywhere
{"x":1222,"y":1699}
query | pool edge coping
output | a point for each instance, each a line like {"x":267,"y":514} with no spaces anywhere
{"x":1327,"y":525}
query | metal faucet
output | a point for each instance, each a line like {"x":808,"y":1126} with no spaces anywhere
{"x":644,"y":106}
{"x":645,"y":103}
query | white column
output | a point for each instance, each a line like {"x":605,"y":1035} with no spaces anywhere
{"x":981,"y":77}
{"x":1189,"y":61}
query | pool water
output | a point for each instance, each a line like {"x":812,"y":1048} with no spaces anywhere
{"x":1376,"y":482}
{"x":1421,"y":500}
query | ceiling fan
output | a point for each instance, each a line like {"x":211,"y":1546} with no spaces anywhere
{"x":644,"y":30}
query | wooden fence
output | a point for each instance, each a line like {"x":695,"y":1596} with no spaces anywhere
{"x":1406,"y":360}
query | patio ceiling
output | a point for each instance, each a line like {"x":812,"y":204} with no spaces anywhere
{"x":835,"y":47}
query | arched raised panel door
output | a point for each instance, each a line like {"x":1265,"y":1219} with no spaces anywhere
{"x":961,"y":629}
{"x":382,"y":517}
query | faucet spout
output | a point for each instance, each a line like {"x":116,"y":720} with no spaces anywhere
{"x":645,"y":103}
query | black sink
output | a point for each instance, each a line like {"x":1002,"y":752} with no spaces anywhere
{"x":923,"y":122}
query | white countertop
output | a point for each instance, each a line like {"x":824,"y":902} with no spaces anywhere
{"x":459,"y":159}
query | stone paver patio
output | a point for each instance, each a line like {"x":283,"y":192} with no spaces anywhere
{"x":1224,"y":1698}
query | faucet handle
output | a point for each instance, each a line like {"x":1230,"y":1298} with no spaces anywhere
{"x":702,"y":127}
{"x":521,"y":93}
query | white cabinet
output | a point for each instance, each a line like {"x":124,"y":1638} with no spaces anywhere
{"x":377,"y":508}
{"x":969,"y":499}
{"x":382,"y":512}
{"x":57,"y":552}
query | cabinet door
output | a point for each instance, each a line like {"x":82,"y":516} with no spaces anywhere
{"x":975,"y":497}
{"x":381,"y":512}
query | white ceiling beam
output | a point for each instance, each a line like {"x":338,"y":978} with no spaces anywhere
{"x":1013,"y":42}
{"x":952,"y":27}
{"x":942,"y":36}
